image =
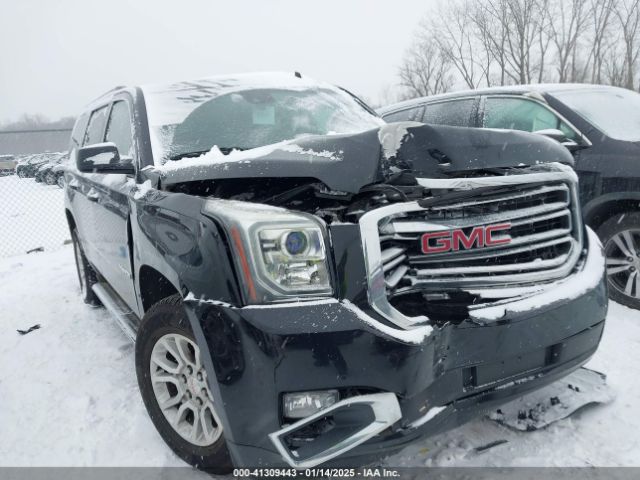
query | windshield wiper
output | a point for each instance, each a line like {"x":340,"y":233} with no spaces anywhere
{"x":197,"y":153}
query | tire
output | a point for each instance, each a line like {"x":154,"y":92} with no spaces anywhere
{"x":49,"y":179}
{"x":164,"y":328}
{"x":60,"y":181}
{"x":21,"y":174}
{"x":620,"y":236}
{"x":87,"y":276}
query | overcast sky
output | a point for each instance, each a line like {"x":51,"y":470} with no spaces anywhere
{"x":55,"y":56}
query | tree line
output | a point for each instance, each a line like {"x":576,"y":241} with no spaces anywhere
{"x":485,"y":43}
{"x":30,"y":122}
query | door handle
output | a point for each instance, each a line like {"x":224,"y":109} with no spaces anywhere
{"x":93,"y":195}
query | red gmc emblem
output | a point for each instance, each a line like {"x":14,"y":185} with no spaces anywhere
{"x":454,"y":240}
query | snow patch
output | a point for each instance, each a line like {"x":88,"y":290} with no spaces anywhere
{"x":324,"y":153}
{"x":427,"y":417}
{"x":215,"y":156}
{"x":192,"y":298}
{"x":104,"y":423}
{"x":416,"y":335}
{"x":142,"y":190}
{"x":392,"y":135}
{"x":572,"y":287}
{"x":299,"y":303}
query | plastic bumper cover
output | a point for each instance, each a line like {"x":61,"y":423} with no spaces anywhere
{"x":438,"y":378}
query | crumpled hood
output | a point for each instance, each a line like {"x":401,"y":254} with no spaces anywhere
{"x":346,"y":163}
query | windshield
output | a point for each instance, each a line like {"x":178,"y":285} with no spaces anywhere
{"x":190,"y":118}
{"x":614,"y":111}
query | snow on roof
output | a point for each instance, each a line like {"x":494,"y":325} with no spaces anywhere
{"x":505,"y":89}
{"x":221,"y":84}
{"x":171,"y":102}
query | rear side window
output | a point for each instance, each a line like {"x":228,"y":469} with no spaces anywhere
{"x":78,"y":131}
{"x":119,"y":130}
{"x":522,"y":114}
{"x":411,"y":114}
{"x":95,"y":130}
{"x":456,"y":113}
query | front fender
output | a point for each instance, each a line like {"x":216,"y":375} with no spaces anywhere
{"x":173,"y":237}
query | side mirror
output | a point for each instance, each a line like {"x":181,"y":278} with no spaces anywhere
{"x":553,"y":134}
{"x":560,"y":137}
{"x":102,"y":158}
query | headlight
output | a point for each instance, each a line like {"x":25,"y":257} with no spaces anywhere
{"x":294,"y":258}
{"x":280,"y":254}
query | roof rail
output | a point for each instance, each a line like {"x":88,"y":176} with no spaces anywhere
{"x":119,"y":87}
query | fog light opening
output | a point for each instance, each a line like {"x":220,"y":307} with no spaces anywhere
{"x":304,"y":404}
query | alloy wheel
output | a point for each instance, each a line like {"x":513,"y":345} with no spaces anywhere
{"x":180,"y":386}
{"x":623,"y":262}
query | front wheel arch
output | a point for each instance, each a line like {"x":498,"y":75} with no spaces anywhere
{"x":598,"y":211}
{"x":168,"y":316}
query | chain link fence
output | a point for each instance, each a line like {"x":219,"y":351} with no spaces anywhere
{"x":31,"y":216}
{"x":31,"y":213}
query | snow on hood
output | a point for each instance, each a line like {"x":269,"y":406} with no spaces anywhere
{"x":347,"y":162}
{"x":215,"y":156}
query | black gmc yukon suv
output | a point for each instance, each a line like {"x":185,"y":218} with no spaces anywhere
{"x":308,"y":285}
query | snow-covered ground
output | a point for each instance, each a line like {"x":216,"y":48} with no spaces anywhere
{"x":68,"y":392}
{"x":31,"y":216}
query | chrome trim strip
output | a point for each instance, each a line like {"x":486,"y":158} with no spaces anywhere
{"x":386,"y":411}
{"x":517,"y":217}
{"x":558,"y":187}
{"x":376,"y":291}
{"x":562,"y":173}
{"x":530,"y":265}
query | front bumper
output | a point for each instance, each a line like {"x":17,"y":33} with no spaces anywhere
{"x":439,"y":377}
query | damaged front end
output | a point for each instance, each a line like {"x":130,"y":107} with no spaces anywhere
{"x":447,"y":271}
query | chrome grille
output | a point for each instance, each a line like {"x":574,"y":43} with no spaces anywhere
{"x":545,"y":241}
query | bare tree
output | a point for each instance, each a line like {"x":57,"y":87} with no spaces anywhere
{"x":628,"y":15}
{"x":456,"y":36}
{"x":522,"y":41}
{"x":514,"y":37}
{"x":491,"y":30}
{"x":37,"y":121}
{"x":426,"y":69}
{"x":524,"y":47}
{"x":567,"y":23}
{"x":600,"y":14}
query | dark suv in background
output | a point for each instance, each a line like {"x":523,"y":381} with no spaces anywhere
{"x":601,"y":127}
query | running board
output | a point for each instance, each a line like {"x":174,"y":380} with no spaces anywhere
{"x":125,"y":318}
